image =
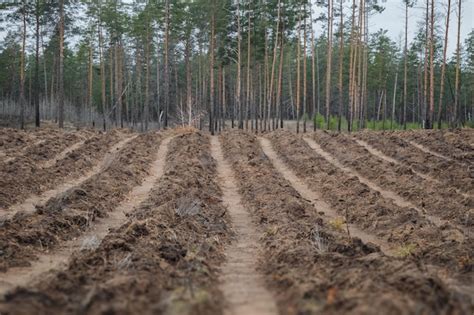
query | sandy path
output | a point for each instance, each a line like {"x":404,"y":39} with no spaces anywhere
{"x":58,"y":259}
{"x":29,"y":205}
{"x":242,"y":285}
{"x":315,"y":198}
{"x":399,"y":201}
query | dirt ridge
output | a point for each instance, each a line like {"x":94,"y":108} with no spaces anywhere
{"x":315,"y":198}
{"x":59,"y":257}
{"x":387,"y":158}
{"x":401,"y":202}
{"x":429,"y":151}
{"x":30,"y":204}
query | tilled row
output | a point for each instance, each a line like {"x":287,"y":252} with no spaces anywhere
{"x":450,"y":172}
{"x":18,"y":182}
{"x":312,"y":265}
{"x":71,"y":213}
{"x":457,"y":144}
{"x":430,"y":197}
{"x":164,"y":259}
{"x":13,"y":140}
{"x":409,"y":233}
{"x":47,"y":149}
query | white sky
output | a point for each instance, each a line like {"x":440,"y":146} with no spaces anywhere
{"x":393,"y":19}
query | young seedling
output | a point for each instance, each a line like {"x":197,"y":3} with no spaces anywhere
{"x":405,"y":250}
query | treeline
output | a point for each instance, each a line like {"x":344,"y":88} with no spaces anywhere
{"x":248,"y":64}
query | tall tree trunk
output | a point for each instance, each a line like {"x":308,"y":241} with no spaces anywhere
{"x":352,"y":64}
{"x":272,"y":75}
{"x":167,"y":70}
{"x":247,"y":99}
{"x":394,"y":99}
{"x":341,"y":60}
{"x":280,"y":76}
{"x":365,"y":66}
{"x":118,"y":87}
{"x":158,"y":93}
{"x":211,"y":71}
{"x":189,"y":93}
{"x":298,"y":74}
{"x":313,"y":70}
{"x":265,"y":83}
{"x":22,"y":67}
{"x":443,"y":66}
{"x":45,"y":74}
{"x":102,"y":76}
{"x":454,"y":121}
{"x":61,"y":66}
{"x":429,"y":122}
{"x":305,"y":86}
{"x":405,"y":67}
{"x":239,"y":63}
{"x":224,"y":105}
{"x":280,"y":79}
{"x":147,"y":76}
{"x":89,"y":80}
{"x":37,"y":80}
{"x":329,"y":63}
{"x":426,"y":82}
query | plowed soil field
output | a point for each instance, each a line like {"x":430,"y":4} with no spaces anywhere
{"x":182,"y":222}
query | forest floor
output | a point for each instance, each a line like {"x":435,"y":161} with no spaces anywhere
{"x":181,"y":222}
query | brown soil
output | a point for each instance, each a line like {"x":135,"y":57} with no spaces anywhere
{"x":433,"y":198}
{"x":242,"y":286}
{"x":313,"y":266}
{"x":72,"y":212}
{"x":450,"y":172}
{"x":315,"y":198}
{"x":47,"y":149}
{"x":21,"y":181}
{"x":164,"y":260}
{"x":400,"y":227}
{"x":58,"y":258}
{"x":174,"y":223}
{"x":34,"y":201}
{"x":14,"y":140}
{"x":456,"y":144}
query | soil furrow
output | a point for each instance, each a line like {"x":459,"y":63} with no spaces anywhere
{"x":428,"y":167}
{"x":409,"y":234}
{"x":242,"y":286}
{"x":432,"y":199}
{"x":164,"y":260}
{"x":72,"y":211}
{"x":316,"y":199}
{"x":31,"y":202}
{"x":427,"y":150}
{"x":58,"y":258}
{"x":313,"y":266}
{"x":14,"y":140}
{"x":46,"y":148}
{"x":382,"y":156}
{"x":401,"y":202}
{"x":12,"y":156}
{"x":61,"y":155}
{"x":457,"y":144}
{"x":22,"y":180}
